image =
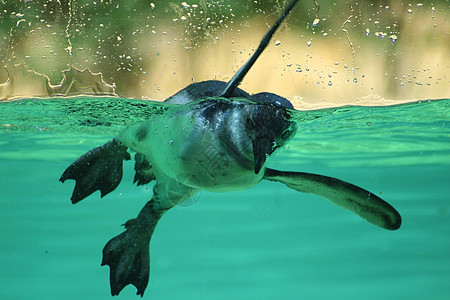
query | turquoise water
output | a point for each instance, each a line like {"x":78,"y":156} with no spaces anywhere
{"x":268,"y":242}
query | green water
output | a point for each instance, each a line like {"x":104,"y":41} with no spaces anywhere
{"x":268,"y":242}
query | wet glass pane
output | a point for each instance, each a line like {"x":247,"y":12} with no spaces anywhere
{"x":327,"y":52}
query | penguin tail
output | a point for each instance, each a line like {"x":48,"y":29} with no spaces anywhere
{"x":99,"y":169}
{"x":128,"y":254}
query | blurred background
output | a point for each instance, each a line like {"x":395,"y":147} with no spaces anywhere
{"x":327,"y":53}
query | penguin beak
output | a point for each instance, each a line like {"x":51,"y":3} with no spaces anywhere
{"x":262,"y":149}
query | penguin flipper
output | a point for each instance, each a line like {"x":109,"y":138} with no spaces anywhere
{"x":99,"y":169}
{"x":128,"y":254}
{"x":360,"y":201}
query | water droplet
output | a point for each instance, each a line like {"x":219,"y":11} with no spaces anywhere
{"x":393,"y":38}
{"x":152,"y":5}
{"x":20,"y":21}
{"x":315,"y":22}
{"x":419,"y":4}
{"x":185,"y":5}
{"x":380,"y":34}
{"x":325,"y":34}
{"x":355,"y":80}
{"x":277,"y":43}
{"x":171,"y":142}
{"x":409,"y":11}
{"x":367,"y":31}
{"x":308,"y":43}
{"x":330,"y":83}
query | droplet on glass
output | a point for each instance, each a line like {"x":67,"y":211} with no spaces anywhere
{"x":308,"y":43}
{"x":315,"y":22}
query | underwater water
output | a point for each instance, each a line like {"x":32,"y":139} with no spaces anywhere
{"x":268,"y":242}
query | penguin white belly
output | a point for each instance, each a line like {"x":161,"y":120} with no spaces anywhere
{"x":191,"y":154}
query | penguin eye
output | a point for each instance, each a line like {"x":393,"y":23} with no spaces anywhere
{"x":286,"y":133}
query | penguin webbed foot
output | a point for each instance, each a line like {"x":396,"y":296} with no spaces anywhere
{"x":128,"y":257}
{"x":99,"y":169}
{"x":144,"y":171}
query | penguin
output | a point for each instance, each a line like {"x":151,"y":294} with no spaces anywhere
{"x":214,"y":137}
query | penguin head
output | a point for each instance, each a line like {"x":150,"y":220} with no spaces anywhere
{"x":269,"y":125}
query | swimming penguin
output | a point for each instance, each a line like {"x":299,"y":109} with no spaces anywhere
{"x":219,"y":139}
